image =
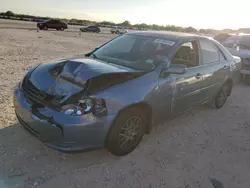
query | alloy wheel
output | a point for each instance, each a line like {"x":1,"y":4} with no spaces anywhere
{"x":130,"y":132}
{"x":222,"y":97}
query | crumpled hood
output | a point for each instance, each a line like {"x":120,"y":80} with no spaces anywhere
{"x":66,"y":78}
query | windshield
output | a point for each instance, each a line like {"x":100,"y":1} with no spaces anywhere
{"x":136,"y":52}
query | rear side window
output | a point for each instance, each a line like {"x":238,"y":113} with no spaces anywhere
{"x":209,"y":52}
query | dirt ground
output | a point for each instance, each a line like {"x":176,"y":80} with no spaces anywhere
{"x":16,"y":24}
{"x":180,"y":153}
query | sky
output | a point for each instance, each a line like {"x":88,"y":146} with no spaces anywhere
{"x":216,"y":14}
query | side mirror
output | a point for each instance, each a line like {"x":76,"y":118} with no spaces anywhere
{"x":175,"y":69}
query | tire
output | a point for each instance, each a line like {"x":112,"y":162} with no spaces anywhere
{"x":45,"y":27}
{"x":112,"y":32}
{"x":57,"y":29}
{"x":84,"y":30}
{"x":98,"y":31}
{"x":61,"y":29}
{"x":221,"y":97}
{"x":126,"y":132}
{"x":117,"y":32}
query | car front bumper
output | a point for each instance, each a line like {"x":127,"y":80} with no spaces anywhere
{"x":59,"y":131}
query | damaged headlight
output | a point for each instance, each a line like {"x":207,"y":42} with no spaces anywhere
{"x":89,"y":105}
{"x":28,"y":71}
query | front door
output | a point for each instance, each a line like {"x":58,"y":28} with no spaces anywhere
{"x":187,"y":87}
{"x":91,"y":28}
{"x":215,"y":68}
{"x":52,"y":24}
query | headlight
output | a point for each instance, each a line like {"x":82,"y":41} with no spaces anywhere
{"x":28,"y":70}
{"x":20,"y":84}
{"x":89,"y":105}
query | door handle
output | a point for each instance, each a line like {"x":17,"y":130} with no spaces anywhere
{"x":198,"y":75}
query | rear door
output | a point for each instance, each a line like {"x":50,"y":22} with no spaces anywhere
{"x":215,"y":67}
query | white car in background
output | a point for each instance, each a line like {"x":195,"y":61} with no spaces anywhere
{"x":118,"y":30}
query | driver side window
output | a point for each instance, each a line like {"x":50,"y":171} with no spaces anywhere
{"x":187,"y":54}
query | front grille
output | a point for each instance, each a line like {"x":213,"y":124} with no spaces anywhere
{"x":32,"y":93}
{"x":36,"y":96}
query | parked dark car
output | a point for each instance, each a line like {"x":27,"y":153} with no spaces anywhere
{"x":52,"y":24}
{"x":238,"y":45}
{"x":111,"y":96}
{"x":91,"y":28}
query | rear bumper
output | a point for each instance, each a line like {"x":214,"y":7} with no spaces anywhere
{"x":59,"y":131}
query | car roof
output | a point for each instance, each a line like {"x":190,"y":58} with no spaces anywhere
{"x":167,"y":35}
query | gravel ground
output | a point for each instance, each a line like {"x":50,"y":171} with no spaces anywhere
{"x":180,"y":153}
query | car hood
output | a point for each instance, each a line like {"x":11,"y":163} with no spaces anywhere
{"x":69,"y":77}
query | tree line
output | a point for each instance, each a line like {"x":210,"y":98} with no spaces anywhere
{"x":127,"y":24}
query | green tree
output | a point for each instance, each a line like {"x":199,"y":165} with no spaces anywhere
{"x":125,"y":23}
{"x":9,"y":13}
{"x":190,"y":30}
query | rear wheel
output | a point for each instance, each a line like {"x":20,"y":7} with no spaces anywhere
{"x":126,"y":132}
{"x":45,"y":27}
{"x":62,"y":29}
{"x":221,"y":97}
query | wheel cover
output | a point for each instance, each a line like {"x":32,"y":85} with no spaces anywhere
{"x":130,"y":132}
{"x":222,"y":97}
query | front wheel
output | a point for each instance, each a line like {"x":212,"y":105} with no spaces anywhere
{"x":45,"y":27}
{"x":62,"y":29}
{"x":126,"y":132}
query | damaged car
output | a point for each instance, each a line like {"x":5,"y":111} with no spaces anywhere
{"x":113,"y":95}
{"x":238,"y":45}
